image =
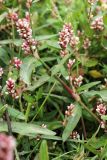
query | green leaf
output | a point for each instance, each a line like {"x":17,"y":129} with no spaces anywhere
{"x":102,"y":94}
{"x":26,"y":69}
{"x":16,"y":42}
{"x":43,"y":79}
{"x":43,"y":154}
{"x":91,"y":63}
{"x":104,"y":117}
{"x":72,"y":122}
{"x":26,"y":129}
{"x":58,"y":67}
{"x":89,"y":85}
{"x":15,"y":113}
{"x":40,"y":38}
{"x":4,"y":56}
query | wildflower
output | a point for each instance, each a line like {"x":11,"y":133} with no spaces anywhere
{"x":10,"y":85}
{"x":7,"y":145}
{"x":13,"y":16}
{"x":70,"y":63}
{"x":101,"y":109}
{"x":44,"y":126}
{"x":28,"y":3}
{"x":65,"y":36}
{"x":1,"y":72}
{"x":98,"y":24}
{"x":17,"y":62}
{"x":63,"y":53}
{"x":102,"y":124}
{"x":92,"y":1}
{"x":74,"y":135}
{"x":23,"y":28}
{"x":74,"y":41}
{"x":86,"y":43}
{"x":25,"y":32}
{"x":69,"y":110}
{"x":77,"y":81}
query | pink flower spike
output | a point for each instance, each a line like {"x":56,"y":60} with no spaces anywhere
{"x":7,"y":145}
{"x":70,"y":63}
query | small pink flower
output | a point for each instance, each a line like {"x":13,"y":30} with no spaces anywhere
{"x":101,"y":109}
{"x":92,"y":1}
{"x":1,"y":72}
{"x":63,"y":53}
{"x":65,"y":35}
{"x":86,"y":43}
{"x":10,"y":85}
{"x":17,"y":62}
{"x":13,"y":16}
{"x":28,"y":3}
{"x":69,"y":110}
{"x":102,"y":124}
{"x":77,"y":81}
{"x":98,"y":24}
{"x":7,"y":145}
{"x":70,"y":63}
{"x":74,"y":41}
{"x":74,"y":135}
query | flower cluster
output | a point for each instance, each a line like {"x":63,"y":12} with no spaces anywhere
{"x":69,"y":110}
{"x":44,"y":126}
{"x":74,"y":135}
{"x":10,"y":85}
{"x":67,"y":36}
{"x":28,"y":3}
{"x":77,"y":81}
{"x":92,"y":1}
{"x":1,"y":72}
{"x":63,"y":53}
{"x":97,"y":24}
{"x":16,"y":62}
{"x":102,"y":124}
{"x":13,"y":16}
{"x":86,"y":43}
{"x":25,"y":32}
{"x":1,"y":1}
{"x":101,"y":109}
{"x":74,"y":41}
{"x":7,"y":145}
{"x":70,"y":63}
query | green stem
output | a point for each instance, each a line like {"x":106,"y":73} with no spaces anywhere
{"x":43,"y":102}
{"x":70,"y":91}
{"x":27,"y":112}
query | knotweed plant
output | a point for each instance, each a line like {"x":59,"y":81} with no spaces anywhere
{"x":53,"y":79}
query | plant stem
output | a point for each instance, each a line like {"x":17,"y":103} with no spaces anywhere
{"x":69,"y":90}
{"x":8,"y":122}
{"x":84,"y":129}
{"x":27,"y":112}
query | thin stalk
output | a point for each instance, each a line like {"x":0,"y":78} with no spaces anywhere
{"x":27,"y":112}
{"x":43,"y":102}
{"x":84,"y":129}
{"x":69,"y":90}
{"x":8,"y":122}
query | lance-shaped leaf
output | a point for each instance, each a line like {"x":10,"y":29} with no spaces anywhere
{"x":27,"y":129}
{"x":27,"y":67}
{"x":72,"y":122}
{"x":43,"y":154}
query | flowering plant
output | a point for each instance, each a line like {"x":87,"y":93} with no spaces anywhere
{"x":53,"y":79}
